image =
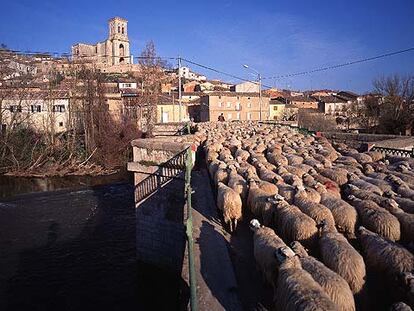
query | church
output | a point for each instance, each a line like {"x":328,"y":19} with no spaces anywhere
{"x":112,"y":51}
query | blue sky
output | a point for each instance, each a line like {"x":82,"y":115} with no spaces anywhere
{"x":275,"y":37}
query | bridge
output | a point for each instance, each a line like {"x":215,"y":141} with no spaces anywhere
{"x":178,"y":227}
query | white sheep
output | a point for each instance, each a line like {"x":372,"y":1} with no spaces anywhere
{"x":296,"y":289}
{"x":332,"y":283}
{"x":338,"y":255}
{"x":229,"y":202}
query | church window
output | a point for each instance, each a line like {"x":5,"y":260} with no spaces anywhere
{"x":121,"y":50}
{"x":119,"y":29}
{"x":122,"y":30}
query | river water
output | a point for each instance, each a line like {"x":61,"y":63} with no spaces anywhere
{"x":74,"y":249}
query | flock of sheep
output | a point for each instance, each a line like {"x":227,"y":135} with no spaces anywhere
{"x":325,"y":216}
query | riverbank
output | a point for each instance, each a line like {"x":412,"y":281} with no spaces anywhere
{"x":12,"y":185}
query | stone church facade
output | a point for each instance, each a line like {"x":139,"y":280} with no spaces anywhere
{"x":112,"y":51}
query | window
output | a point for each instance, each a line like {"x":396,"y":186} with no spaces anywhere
{"x":238,"y":106}
{"x":58,"y":108}
{"x":15,"y":108}
{"x":220,"y":104}
{"x":121,"y":50}
{"x":229,"y":116}
{"x":249,"y":105}
{"x":238,"y":97}
{"x":228,"y":104}
{"x":275,"y":108}
{"x":248,"y":98}
{"x":119,"y":29}
{"x":249,"y":116}
{"x":219,"y":97}
{"x":122,"y":30}
{"x":35,"y":108}
{"x":238,"y":116}
{"x":60,"y":124}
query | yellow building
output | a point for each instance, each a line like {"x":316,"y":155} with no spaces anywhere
{"x":276,"y":109}
{"x":168,"y":112}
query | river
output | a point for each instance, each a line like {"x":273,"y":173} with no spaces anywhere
{"x":74,"y":248}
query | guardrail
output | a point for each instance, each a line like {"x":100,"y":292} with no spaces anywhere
{"x":167,"y":171}
{"x":189,"y":163}
{"x":394,"y":151}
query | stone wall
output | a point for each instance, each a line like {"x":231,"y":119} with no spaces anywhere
{"x":380,"y":140}
{"x":160,"y":231}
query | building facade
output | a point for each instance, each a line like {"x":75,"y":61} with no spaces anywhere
{"x":40,"y":111}
{"x":113,"y":51}
{"x":233,"y":106}
{"x":276,"y":109}
{"x":246,"y":87}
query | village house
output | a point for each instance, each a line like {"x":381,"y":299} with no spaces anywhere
{"x":276,"y":109}
{"x":302,"y":102}
{"x":333,"y":105}
{"x":233,"y":106}
{"x":246,"y":87}
{"x":41,"y":110}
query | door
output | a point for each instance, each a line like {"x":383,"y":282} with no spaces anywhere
{"x":165,"y":117}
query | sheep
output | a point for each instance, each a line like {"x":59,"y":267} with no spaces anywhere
{"x":384,"y":256}
{"x":332,"y":283}
{"x":265,"y":243}
{"x":221,"y":174}
{"x":225,"y":155}
{"x":229,"y":202}
{"x":338,"y":175}
{"x":380,"y":183}
{"x":406,"y":205}
{"x":406,"y":221}
{"x":241,"y":154}
{"x":292,"y":224}
{"x":344,"y":214}
{"x":375,"y":155}
{"x":338,"y":255}
{"x":316,"y":211}
{"x":287,"y":191}
{"x":376,"y":218}
{"x":296,"y":289}
{"x":237,"y":183}
{"x":258,"y":204}
{"x":400,"y":306}
{"x":269,"y":187}
{"x":362,"y":184}
{"x":366,"y":195}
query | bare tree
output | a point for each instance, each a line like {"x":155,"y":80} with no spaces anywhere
{"x":151,"y":77}
{"x":397,"y":106}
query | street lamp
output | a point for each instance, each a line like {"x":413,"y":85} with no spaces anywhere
{"x":259,"y":77}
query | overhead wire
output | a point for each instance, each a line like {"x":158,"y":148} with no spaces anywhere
{"x":341,"y":65}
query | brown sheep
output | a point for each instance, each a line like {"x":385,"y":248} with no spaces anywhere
{"x":406,"y":221}
{"x":341,"y":257}
{"x":400,"y":306}
{"x":376,"y":218}
{"x":332,"y":283}
{"x":406,"y":205}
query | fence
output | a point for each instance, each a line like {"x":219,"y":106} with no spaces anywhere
{"x":190,"y":159}
{"x":394,"y":151}
{"x":166,"y":172}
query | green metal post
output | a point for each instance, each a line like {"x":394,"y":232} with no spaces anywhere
{"x":189,"y":231}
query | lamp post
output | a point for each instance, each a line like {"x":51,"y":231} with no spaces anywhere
{"x":259,"y":77}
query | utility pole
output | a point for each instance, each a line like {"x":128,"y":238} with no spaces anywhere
{"x":260,"y":96}
{"x":179,"y":89}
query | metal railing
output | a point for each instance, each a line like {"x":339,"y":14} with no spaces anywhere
{"x":167,"y":171}
{"x":394,"y":151}
{"x":190,"y":159}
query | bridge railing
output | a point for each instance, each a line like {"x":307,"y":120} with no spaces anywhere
{"x":190,"y":160}
{"x":394,"y":151}
{"x":167,"y":171}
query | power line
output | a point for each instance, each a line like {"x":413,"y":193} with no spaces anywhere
{"x":221,"y":72}
{"x":342,"y":65}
